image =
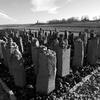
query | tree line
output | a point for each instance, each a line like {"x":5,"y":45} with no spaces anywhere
{"x":71,"y":20}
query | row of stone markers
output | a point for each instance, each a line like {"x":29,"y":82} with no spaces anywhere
{"x":87,"y":48}
{"x":62,"y":50}
{"x":13,"y":60}
{"x":82,"y":47}
{"x":53,"y":57}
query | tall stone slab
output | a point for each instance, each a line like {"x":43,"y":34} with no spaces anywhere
{"x":16,"y":68}
{"x":3,"y":46}
{"x":8,"y":48}
{"x":35,"y":51}
{"x":92,"y":50}
{"x":15,"y":63}
{"x":8,"y":54}
{"x":45,"y":82}
{"x":20,"y":44}
{"x":1,"y":52}
{"x":99,"y":50}
{"x":78,"y":56}
{"x":35,"y":55}
{"x":63,"y":61}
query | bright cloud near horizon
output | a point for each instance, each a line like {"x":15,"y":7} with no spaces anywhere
{"x":29,"y":11}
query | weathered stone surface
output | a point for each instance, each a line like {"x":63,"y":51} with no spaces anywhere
{"x":99,"y":49}
{"x":17,"y":69}
{"x":78,"y":53}
{"x":84,"y":37}
{"x":1,"y":53}
{"x":4,"y":53}
{"x":63,"y":61}
{"x":15,"y":63}
{"x":92,"y":51}
{"x":47,"y":72}
{"x":35,"y":55}
{"x":21,"y":48}
{"x":35,"y":51}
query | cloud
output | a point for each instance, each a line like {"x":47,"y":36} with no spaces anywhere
{"x":44,"y":5}
{"x":5,"y":16}
{"x":51,"y":6}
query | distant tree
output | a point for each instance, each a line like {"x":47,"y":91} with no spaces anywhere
{"x":85,"y":18}
{"x":72,"y":19}
{"x":63,"y":21}
{"x":53,"y":21}
{"x":95,"y":18}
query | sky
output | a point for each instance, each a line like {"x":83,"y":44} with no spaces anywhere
{"x":29,"y":11}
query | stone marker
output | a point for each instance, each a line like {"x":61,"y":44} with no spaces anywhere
{"x":9,"y":47}
{"x":17,"y":69}
{"x":78,"y":53}
{"x":92,"y":50}
{"x":20,"y":44}
{"x":99,"y":50}
{"x":3,"y":45}
{"x":63,"y":61}
{"x":1,"y":52}
{"x":63,"y":56}
{"x":15,"y":64}
{"x":45,"y":82}
{"x":84,"y":38}
{"x":35,"y":51}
